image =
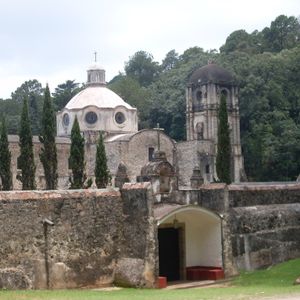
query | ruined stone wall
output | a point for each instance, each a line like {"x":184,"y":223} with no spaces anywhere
{"x":95,"y":233}
{"x":265,"y":223}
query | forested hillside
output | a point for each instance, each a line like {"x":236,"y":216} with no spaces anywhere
{"x":266,"y":66}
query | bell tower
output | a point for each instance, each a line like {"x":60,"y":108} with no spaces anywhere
{"x":203,"y":93}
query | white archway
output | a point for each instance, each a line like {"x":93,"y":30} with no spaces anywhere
{"x":201,"y":234}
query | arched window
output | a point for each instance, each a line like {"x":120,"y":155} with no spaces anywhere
{"x":199,"y":96}
{"x":200,"y":131}
{"x":225,"y":93}
{"x":197,"y":103}
{"x":150,"y":153}
{"x":207,"y":169}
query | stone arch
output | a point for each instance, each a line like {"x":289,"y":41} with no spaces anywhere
{"x":199,"y":131}
{"x":199,"y":239}
{"x":224,"y":91}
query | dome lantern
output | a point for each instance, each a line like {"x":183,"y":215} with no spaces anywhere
{"x":95,"y":76}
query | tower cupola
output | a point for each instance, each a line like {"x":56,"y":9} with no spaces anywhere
{"x":96,"y":76}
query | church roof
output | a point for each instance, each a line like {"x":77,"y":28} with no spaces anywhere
{"x":211,"y":73}
{"x":99,"y":96}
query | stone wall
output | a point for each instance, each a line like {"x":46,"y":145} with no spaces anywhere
{"x":94,"y":233}
{"x":265,"y":223}
{"x":261,"y":221}
{"x":63,"y":152}
{"x":192,"y":154}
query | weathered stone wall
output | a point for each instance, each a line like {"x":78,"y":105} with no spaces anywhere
{"x":261,"y":222}
{"x":94,"y":232}
{"x":137,"y":155}
{"x":63,"y":152}
{"x":265,"y":223}
{"x":190,"y":155}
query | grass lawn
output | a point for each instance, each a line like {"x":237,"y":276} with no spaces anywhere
{"x":277,"y":280}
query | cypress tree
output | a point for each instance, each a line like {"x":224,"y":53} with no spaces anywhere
{"x":76,"y":159}
{"x":224,"y":153}
{"x":26,"y":158}
{"x":101,"y":171}
{"x":5,"y":159}
{"x":48,"y":155}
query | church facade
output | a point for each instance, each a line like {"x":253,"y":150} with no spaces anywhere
{"x":98,"y":109}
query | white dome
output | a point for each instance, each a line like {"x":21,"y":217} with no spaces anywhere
{"x":99,"y":96}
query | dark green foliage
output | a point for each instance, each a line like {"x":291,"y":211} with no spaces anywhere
{"x":170,"y":61}
{"x":133,"y":93}
{"x":101,"y":171}
{"x":32,"y":89}
{"x":11,"y":109}
{"x":283,"y":33}
{"x":223,"y":149}
{"x":48,"y":155}
{"x":76,"y":159}
{"x":142,"y":68}
{"x":269,"y":107}
{"x":5,"y":159}
{"x":64,"y":93}
{"x":26,"y":158}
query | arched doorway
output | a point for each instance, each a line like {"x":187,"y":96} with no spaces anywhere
{"x":189,"y":238}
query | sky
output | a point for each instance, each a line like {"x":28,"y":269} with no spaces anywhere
{"x":54,"y":40}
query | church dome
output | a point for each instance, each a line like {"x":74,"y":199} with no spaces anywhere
{"x":211,"y":73}
{"x":96,"y":93}
{"x":98,"y":96}
{"x":97,"y":108}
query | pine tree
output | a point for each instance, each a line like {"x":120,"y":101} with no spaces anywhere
{"x":101,"y":171}
{"x":5,"y":159}
{"x":76,"y":159}
{"x":26,"y":158}
{"x":48,"y":155}
{"x":224,"y":153}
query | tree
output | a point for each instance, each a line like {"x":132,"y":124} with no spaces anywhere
{"x":5,"y":159}
{"x":76,"y":159}
{"x":26,"y":158}
{"x":11,"y":109}
{"x":284,"y":33}
{"x":142,"y":68}
{"x":101,"y":171}
{"x":131,"y":91}
{"x":32,"y":89}
{"x":223,"y":155}
{"x":169,"y":62}
{"x":64,"y":93}
{"x":48,"y":153}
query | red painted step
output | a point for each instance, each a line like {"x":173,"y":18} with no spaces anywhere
{"x":161,"y":282}
{"x":204,"y":273}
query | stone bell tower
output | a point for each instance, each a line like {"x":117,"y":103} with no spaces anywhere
{"x":206,"y":85}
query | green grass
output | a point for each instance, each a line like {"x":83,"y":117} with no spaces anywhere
{"x":277,"y":280}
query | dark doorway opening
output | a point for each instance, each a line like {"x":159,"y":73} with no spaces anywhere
{"x":169,"y":254}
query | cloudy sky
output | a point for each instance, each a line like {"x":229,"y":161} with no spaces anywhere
{"x":54,"y":40}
